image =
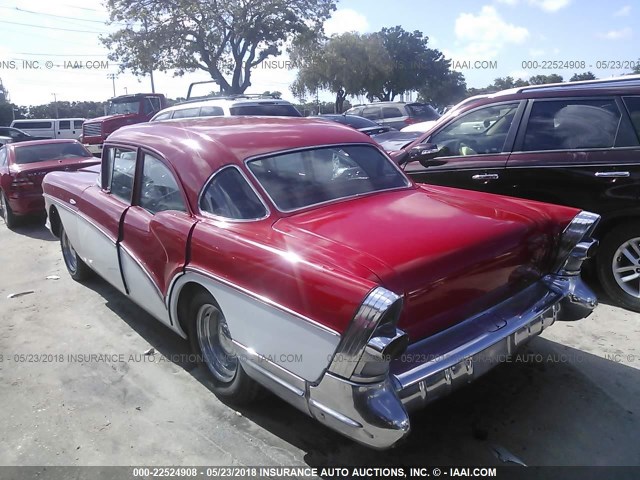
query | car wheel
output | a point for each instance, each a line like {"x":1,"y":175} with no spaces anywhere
{"x":7,"y":214}
{"x":78,"y":270}
{"x":211,"y":342}
{"x":618,"y":264}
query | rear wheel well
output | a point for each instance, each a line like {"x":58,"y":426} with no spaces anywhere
{"x":186,"y":295}
{"x":54,"y":221}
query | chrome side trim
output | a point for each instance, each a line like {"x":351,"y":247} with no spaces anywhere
{"x":260,"y":298}
{"x":143,"y":269}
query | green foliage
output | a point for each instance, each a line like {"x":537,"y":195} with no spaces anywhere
{"x":637,"y":67}
{"x":225,"y":38}
{"x":545,"y":79}
{"x":582,"y":76}
{"x":446,"y":90}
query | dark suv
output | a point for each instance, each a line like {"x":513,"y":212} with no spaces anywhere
{"x":575,"y":144}
{"x":395,"y":114}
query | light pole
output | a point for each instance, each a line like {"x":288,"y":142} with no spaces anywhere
{"x":112,"y":77}
{"x":55,"y":104}
{"x":125,"y":91}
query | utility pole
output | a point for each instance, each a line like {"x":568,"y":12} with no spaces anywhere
{"x":55,"y":104}
{"x":112,"y":77}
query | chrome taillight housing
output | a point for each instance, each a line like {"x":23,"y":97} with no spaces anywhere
{"x":576,"y":244}
{"x":372,"y":340}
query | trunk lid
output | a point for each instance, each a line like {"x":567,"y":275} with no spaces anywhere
{"x":35,"y":172}
{"x":451,"y":253}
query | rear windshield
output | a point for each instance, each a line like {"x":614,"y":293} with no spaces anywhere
{"x":309,"y":177}
{"x":423,"y":111}
{"x":49,"y":151}
{"x":266,"y":109}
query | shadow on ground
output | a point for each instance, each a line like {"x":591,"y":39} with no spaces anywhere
{"x":542,"y":407}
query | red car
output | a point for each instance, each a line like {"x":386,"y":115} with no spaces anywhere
{"x":23,"y":166}
{"x":294,"y":254}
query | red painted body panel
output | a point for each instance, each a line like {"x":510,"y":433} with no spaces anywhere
{"x":27,"y":199}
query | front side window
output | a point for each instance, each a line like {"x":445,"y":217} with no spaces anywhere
{"x":480,"y":132}
{"x":571,"y":124}
{"x":64,"y":125}
{"x":77,"y":124}
{"x":159,"y":190}
{"x":118,"y":171}
{"x":229,"y":195}
{"x":372,"y":113}
{"x":300,"y":179}
{"x":163,"y":116}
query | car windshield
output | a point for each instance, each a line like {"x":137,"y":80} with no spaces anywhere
{"x":423,"y":111}
{"x":303,"y":178}
{"x":266,"y":109}
{"x":49,"y":151}
{"x":119,"y":108}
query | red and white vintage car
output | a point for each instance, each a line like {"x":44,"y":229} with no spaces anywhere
{"x":294,"y":254}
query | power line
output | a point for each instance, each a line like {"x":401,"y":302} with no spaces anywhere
{"x":23,"y":10}
{"x":62,"y":54}
{"x":50,"y":28}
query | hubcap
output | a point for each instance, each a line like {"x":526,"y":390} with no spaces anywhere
{"x":626,"y":267}
{"x":69,"y":254}
{"x":215,"y":343}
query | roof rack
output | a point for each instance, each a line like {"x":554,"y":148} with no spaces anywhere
{"x":223,"y":97}
{"x":622,"y":81}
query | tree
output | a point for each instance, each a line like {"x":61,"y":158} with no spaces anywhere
{"x":545,"y":79}
{"x":274,"y":94}
{"x":225,"y":38}
{"x":582,"y":76}
{"x":413,"y":66}
{"x":637,"y":67}
{"x":449,"y":89}
{"x":347,"y":65}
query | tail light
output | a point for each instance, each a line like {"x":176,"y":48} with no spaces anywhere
{"x":22,"y":183}
{"x":410,"y":120}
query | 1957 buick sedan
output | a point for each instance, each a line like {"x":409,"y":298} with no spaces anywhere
{"x":294,"y":254}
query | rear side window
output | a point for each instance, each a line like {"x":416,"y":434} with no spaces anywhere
{"x":211,"y":111}
{"x":633,"y":106}
{"x":229,"y":195}
{"x":33,"y":125}
{"x":64,"y":125}
{"x":391,"y":112}
{"x":572,"y":124}
{"x":77,"y":124}
{"x":186,"y":113}
{"x":372,"y":113}
{"x":118,"y":171}
{"x":159,"y":191}
{"x":423,"y":111}
{"x":266,"y":109}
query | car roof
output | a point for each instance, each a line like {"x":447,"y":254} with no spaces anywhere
{"x":209,"y":143}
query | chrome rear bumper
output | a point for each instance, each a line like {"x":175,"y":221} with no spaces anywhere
{"x":377,"y":414}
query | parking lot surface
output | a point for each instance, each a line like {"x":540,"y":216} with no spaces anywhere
{"x":571,"y":397}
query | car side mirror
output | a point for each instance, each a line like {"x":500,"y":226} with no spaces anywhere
{"x":425,"y":153}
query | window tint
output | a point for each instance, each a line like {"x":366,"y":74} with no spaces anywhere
{"x":64,"y":125}
{"x":372,"y":113}
{"x":482,"y":131}
{"x":300,"y":179}
{"x":229,"y":195}
{"x":3,"y":157}
{"x":423,"y":111}
{"x":163,"y":116}
{"x":391,"y":112}
{"x":119,"y":171}
{"x":159,"y":190}
{"x":32,"y":125}
{"x":186,"y":113}
{"x":77,"y":124}
{"x":572,"y":124}
{"x":633,"y":106}
{"x":211,"y":111}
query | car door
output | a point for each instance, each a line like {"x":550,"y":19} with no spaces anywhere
{"x":63,"y":129}
{"x":155,"y":233}
{"x":101,"y":211}
{"x":581,"y":152}
{"x":373,"y":113}
{"x":476,"y":146}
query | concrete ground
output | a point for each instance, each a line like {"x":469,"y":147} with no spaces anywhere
{"x":572,"y":396}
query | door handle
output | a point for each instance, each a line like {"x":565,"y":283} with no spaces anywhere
{"x":612,"y":174}
{"x":486,"y":176}
{"x":72,"y":201}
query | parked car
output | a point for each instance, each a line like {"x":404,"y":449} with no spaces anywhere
{"x":395,"y":114}
{"x":14,"y":135}
{"x":23,"y":166}
{"x":307,"y":262}
{"x":574,"y":144}
{"x":228,"y":106}
{"x":51,"y":127}
{"x":120,"y":111}
{"x":361,"y":124}
{"x":420,"y":126}
{"x":394,"y":140}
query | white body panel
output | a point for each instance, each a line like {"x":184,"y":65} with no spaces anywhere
{"x":51,"y":127}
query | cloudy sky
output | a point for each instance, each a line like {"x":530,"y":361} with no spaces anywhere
{"x":489,"y":39}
